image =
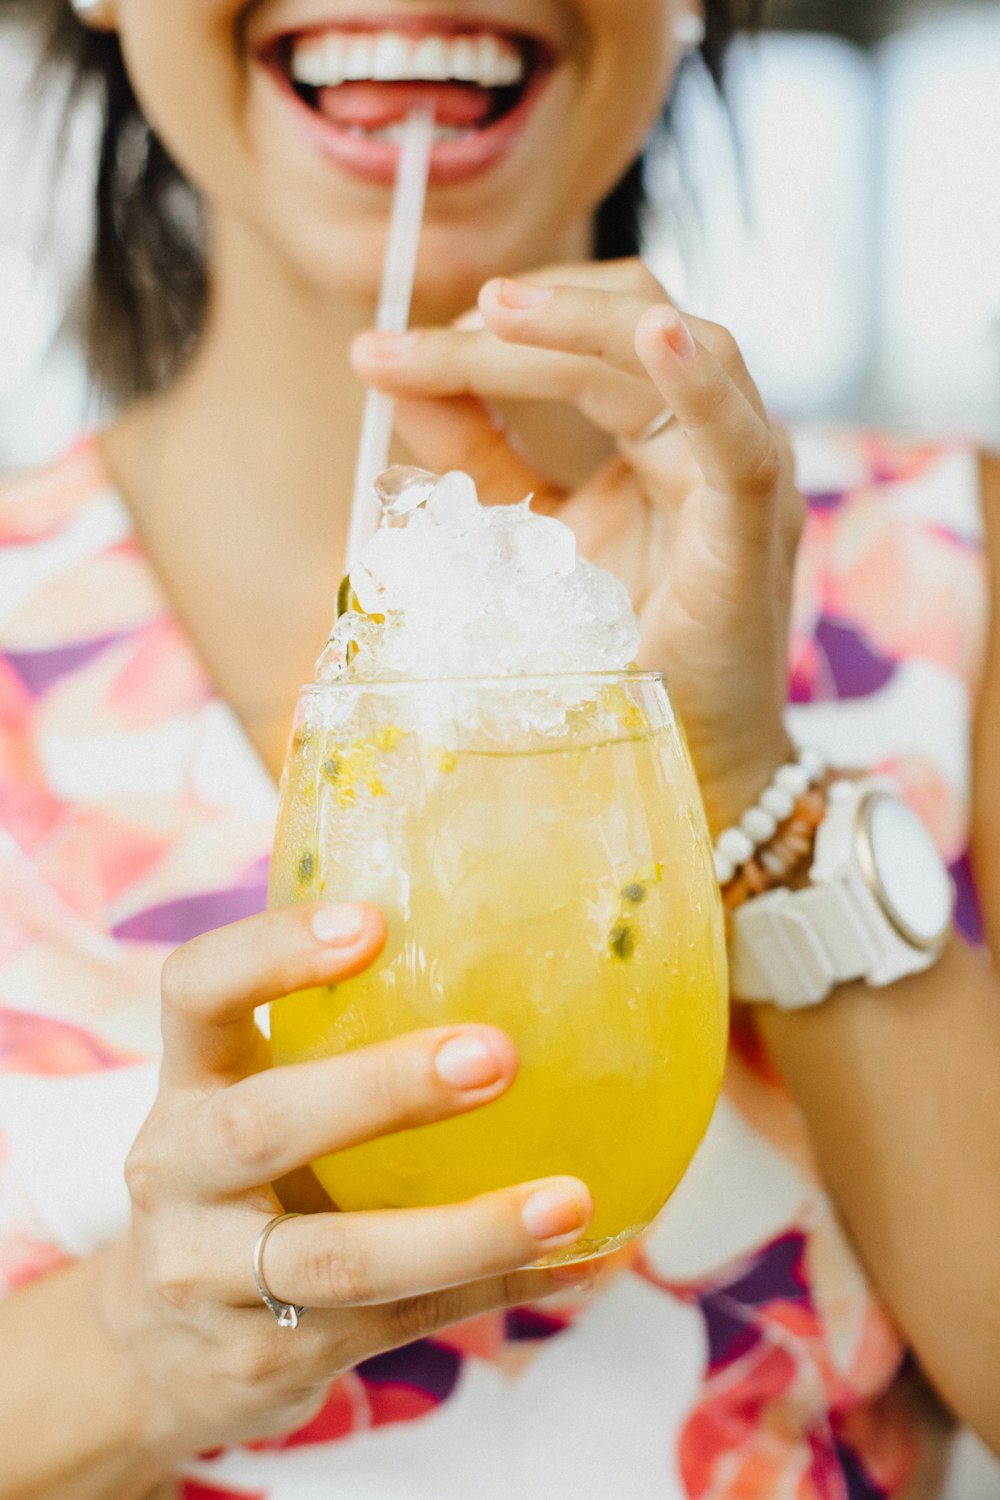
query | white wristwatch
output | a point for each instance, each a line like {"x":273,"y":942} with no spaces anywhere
{"x":879,"y":905}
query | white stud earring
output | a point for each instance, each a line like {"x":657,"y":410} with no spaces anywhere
{"x":689,"y":29}
{"x":95,"y":12}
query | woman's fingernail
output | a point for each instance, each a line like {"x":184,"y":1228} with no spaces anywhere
{"x":467,"y":1062}
{"x":339,"y":926}
{"x":520,"y":296}
{"x":678,"y":337}
{"x":387,"y":348}
{"x":553,"y":1213}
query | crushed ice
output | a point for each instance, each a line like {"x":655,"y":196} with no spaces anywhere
{"x":448,"y":587}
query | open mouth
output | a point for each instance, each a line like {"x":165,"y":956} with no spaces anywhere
{"x":360,"y":82}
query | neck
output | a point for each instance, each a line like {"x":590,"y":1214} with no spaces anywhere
{"x":263,"y":419}
{"x":240,"y":477}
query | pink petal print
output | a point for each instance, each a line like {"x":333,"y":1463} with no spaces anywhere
{"x":160,"y":678}
{"x":38,"y":507}
{"x":41,"y":1046}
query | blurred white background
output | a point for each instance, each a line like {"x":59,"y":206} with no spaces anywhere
{"x":852,"y":243}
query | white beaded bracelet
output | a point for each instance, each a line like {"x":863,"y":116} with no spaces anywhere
{"x":759,"y":824}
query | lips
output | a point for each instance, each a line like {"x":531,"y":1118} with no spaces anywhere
{"x":353,"y":85}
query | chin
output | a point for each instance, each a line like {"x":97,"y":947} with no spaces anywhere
{"x":455,"y":262}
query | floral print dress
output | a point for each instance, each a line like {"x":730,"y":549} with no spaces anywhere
{"x":738,"y":1352}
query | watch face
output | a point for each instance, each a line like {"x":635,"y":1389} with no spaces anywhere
{"x":904,"y":870}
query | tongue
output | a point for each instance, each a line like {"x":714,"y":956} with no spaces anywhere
{"x":374,"y":105}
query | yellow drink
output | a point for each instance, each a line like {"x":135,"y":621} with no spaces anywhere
{"x":559,"y":887}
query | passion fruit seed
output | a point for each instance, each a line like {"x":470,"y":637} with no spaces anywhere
{"x":306,"y":867}
{"x":635,"y":894}
{"x":355,"y":768}
{"x":347,"y":599}
{"x":622,"y":941}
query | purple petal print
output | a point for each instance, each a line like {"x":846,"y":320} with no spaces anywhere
{"x":41,"y":670}
{"x":423,"y":1366}
{"x":826,"y":500}
{"x":856,"y":669}
{"x":189,"y":916}
{"x":775,"y":1275}
{"x":526,"y":1324}
{"x":968,"y":917}
{"x":858,"y":1485}
{"x":730,"y":1334}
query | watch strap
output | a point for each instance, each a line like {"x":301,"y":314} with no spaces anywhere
{"x":790,"y":948}
{"x":793,"y":947}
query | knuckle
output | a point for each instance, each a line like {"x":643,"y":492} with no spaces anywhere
{"x":337,"y":1275}
{"x":785,"y":450}
{"x":415,"y":1317}
{"x":247,"y":1126}
{"x":175,"y":980}
{"x":763,"y":472}
{"x":143,"y":1175}
{"x":385,"y":1094}
{"x":723,"y":345}
{"x":639,"y":278}
{"x":176,"y":1283}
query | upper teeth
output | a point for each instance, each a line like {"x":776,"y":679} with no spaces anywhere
{"x":389,"y":57}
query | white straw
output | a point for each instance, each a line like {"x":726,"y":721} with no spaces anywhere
{"x":393,"y":317}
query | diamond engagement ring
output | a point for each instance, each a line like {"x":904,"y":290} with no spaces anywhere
{"x":652,"y":429}
{"x":287,"y":1313}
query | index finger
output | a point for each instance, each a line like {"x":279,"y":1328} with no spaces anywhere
{"x":733,"y":443}
{"x":211,"y":986}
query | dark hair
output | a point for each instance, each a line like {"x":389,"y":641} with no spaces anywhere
{"x":147,"y":293}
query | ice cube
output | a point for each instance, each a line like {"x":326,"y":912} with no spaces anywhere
{"x":463,"y":590}
{"x":402,"y":490}
{"x":536,"y":547}
{"x":454,"y":505}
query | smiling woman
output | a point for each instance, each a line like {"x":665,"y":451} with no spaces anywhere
{"x":147,"y":217}
{"x":164,"y":590}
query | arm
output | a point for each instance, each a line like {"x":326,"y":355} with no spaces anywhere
{"x":901,"y":1089}
{"x":65,"y":1379}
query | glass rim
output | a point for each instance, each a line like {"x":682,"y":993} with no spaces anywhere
{"x":627,"y":675}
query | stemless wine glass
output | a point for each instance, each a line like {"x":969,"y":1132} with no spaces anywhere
{"x":539,"y":848}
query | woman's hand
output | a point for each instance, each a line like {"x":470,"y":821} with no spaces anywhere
{"x":178,"y":1293}
{"x":701,"y":522}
